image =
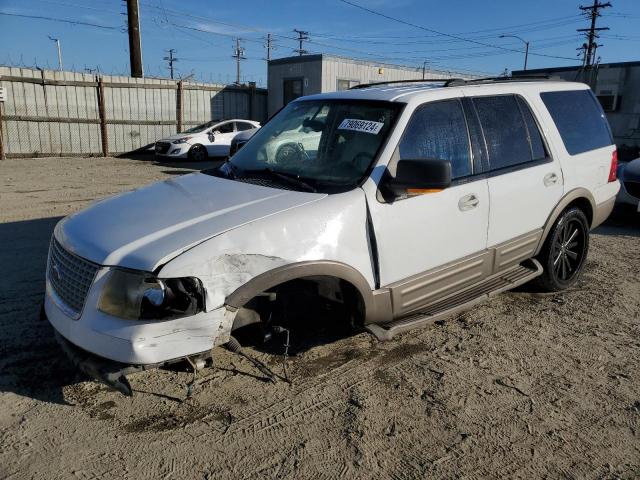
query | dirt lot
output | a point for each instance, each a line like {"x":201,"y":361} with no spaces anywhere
{"x":527,"y":386}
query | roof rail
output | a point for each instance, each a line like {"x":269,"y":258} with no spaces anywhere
{"x":520,"y":78}
{"x":391,"y":82}
{"x":452,"y":82}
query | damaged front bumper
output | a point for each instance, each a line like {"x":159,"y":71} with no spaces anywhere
{"x":112,"y":374}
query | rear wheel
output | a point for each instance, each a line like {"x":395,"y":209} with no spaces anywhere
{"x":565,"y":251}
{"x":197,"y":153}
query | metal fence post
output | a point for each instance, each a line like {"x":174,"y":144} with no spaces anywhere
{"x":179,"y":94}
{"x":2,"y":154}
{"x":252,"y":100}
{"x":103,"y":119}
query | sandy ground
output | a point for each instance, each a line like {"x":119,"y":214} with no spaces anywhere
{"x":527,"y":386}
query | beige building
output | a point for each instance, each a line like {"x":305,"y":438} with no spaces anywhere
{"x":293,"y":77}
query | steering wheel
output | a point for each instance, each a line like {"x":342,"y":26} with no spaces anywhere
{"x":290,"y":153}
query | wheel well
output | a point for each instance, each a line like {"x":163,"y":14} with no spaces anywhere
{"x":584,"y":205}
{"x":336,"y":295}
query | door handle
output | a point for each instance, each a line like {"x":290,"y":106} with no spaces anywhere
{"x":550,"y":179}
{"x":468,"y":202}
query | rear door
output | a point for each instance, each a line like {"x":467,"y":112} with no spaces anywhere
{"x":525,"y":182}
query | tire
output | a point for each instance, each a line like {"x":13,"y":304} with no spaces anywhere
{"x":197,"y":153}
{"x":564,"y":251}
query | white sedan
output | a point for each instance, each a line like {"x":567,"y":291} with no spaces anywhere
{"x":211,"y":139}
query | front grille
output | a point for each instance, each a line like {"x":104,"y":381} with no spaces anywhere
{"x":633,"y":188}
{"x":70,"y":276}
{"x":162,"y":147}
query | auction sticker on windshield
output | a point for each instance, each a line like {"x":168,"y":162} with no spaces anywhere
{"x":366,"y":126}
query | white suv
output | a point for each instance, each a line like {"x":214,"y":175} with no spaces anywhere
{"x":403,"y":203}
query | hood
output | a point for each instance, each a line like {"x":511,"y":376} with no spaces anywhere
{"x":145,"y":228}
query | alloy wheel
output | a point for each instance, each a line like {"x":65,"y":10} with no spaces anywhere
{"x":567,"y":252}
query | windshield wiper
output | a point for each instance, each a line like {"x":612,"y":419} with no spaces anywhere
{"x":290,"y":178}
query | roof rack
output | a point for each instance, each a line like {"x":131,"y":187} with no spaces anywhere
{"x":392,"y":82}
{"x":452,"y":82}
{"x":520,"y":78}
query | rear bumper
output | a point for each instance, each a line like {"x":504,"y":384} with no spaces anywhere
{"x":602,"y":212}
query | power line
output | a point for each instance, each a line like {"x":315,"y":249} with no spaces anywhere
{"x":62,"y":20}
{"x":449,"y":35}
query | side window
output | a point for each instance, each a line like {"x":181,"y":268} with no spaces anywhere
{"x":242,"y":126}
{"x":505,"y":131}
{"x":439,"y":130}
{"x":535,"y":138}
{"x":225,"y":128}
{"x":579,"y":118}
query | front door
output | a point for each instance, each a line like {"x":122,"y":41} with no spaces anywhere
{"x":432,"y":244}
{"x":220,"y":139}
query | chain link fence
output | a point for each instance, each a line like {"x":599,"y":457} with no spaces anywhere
{"x":51,"y":113}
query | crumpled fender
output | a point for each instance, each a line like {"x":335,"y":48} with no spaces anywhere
{"x":330,"y":230}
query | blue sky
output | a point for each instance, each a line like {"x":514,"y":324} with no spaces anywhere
{"x":202,"y":33}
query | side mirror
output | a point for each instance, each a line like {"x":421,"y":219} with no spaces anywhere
{"x":212,"y":136}
{"x":415,"y":177}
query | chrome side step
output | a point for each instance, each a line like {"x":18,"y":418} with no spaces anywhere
{"x":460,"y":301}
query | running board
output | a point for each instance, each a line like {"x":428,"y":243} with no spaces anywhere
{"x":460,"y":301}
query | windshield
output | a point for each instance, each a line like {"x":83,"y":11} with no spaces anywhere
{"x":322,"y":143}
{"x":200,"y":128}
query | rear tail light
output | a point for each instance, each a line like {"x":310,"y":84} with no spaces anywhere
{"x":614,"y":167}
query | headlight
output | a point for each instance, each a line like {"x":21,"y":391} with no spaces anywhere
{"x":182,"y":140}
{"x":141,"y":296}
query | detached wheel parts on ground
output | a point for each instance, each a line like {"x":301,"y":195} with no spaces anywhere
{"x":197,"y":153}
{"x":565,"y":250}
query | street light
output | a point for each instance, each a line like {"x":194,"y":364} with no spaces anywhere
{"x":424,"y":67}
{"x":526,"y":49}
{"x":59,"y":51}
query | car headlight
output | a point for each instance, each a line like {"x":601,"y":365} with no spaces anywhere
{"x":141,"y":296}
{"x":182,"y":140}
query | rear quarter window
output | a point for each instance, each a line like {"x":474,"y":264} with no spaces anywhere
{"x":579,"y":119}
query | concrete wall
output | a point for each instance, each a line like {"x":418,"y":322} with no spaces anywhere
{"x":51,"y":113}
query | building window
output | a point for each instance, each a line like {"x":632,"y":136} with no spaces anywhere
{"x":344,"y":84}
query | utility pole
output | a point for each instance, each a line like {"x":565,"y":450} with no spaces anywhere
{"x":135,"y":47}
{"x":591,"y":33}
{"x":238,"y":54}
{"x":269,"y":46}
{"x":302,"y":36}
{"x":57,"y":40}
{"x":171,"y":59}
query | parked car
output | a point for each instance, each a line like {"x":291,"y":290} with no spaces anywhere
{"x":629,"y":175}
{"x":240,"y":139}
{"x":211,"y":139}
{"x":403,"y":204}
